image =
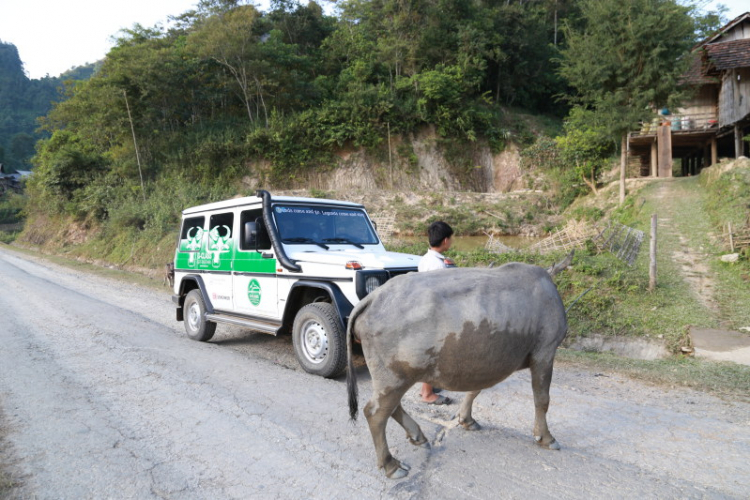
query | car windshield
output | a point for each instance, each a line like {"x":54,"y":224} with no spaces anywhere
{"x":304,"y":225}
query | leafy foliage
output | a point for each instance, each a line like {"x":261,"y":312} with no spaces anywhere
{"x":586,"y":145}
{"x":626,"y":58}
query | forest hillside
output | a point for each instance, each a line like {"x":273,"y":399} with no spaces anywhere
{"x":22,"y":102}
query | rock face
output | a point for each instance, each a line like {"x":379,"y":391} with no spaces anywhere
{"x":419,"y":163}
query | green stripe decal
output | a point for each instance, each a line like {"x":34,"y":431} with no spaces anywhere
{"x":216,"y":250}
{"x":253,"y":262}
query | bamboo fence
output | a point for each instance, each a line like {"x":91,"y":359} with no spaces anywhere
{"x":623,"y":241}
{"x":736,"y":239}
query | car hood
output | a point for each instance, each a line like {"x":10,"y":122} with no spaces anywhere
{"x":368,"y":259}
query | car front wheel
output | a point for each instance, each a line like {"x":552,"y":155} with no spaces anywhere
{"x":319,"y":340}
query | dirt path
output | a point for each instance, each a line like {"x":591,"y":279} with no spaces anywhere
{"x":104,"y":397}
{"x":681,"y":215}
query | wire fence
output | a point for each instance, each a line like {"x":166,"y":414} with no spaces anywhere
{"x":623,"y":241}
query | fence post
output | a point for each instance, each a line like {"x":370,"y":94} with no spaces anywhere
{"x":652,"y":256}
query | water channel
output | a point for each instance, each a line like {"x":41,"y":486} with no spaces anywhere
{"x":467,"y":243}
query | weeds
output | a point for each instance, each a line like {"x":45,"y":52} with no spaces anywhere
{"x":726,"y":380}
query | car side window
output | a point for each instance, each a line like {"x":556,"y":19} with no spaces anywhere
{"x":191,"y":235}
{"x":220,"y":232}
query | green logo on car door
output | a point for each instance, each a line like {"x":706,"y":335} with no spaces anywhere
{"x":253,"y":292}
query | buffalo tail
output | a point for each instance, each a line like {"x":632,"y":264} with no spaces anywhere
{"x":351,"y":376}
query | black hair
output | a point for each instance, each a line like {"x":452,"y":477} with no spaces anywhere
{"x":438,"y":231}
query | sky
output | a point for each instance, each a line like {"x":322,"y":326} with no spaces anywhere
{"x":53,"y":36}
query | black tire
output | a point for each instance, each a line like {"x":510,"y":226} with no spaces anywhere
{"x":194,"y":315}
{"x":319,"y":341}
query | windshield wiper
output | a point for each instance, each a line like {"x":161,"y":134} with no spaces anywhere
{"x":343,"y":240}
{"x":304,"y":240}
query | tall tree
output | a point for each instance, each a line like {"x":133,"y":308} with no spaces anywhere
{"x":626,"y":60}
{"x":229,"y":39}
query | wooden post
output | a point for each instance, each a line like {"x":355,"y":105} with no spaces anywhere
{"x":706,"y":155}
{"x":623,"y":165}
{"x":714,"y":151}
{"x":135,"y":144}
{"x":390,"y":157}
{"x":731,"y":238}
{"x":664,"y":150}
{"x":652,"y":256}
{"x":653,"y":160}
{"x":737,"y":141}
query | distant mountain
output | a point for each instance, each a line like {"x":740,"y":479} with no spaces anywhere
{"x":22,"y":101}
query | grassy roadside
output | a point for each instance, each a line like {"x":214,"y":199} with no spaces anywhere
{"x":729,"y":381}
{"x":102,"y":270}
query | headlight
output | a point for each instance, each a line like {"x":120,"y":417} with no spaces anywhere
{"x":372,"y":283}
{"x":368,"y":281}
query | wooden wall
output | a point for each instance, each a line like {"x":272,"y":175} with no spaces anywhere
{"x":703,"y":103}
{"x":734,"y":97}
{"x":739,"y":32}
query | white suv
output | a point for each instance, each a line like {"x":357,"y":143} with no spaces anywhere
{"x":280,"y":264}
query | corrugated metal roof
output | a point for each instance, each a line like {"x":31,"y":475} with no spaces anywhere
{"x":696,"y":73}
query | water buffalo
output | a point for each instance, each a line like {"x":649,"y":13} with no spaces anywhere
{"x":459,"y":329}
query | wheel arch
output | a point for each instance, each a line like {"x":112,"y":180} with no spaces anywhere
{"x":306,"y":292}
{"x":187,"y":284}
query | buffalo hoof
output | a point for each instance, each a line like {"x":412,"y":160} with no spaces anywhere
{"x":551,"y":445}
{"x":470,"y":425}
{"x":422,"y":442}
{"x":398,"y":471}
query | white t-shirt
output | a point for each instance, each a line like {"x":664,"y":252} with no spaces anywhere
{"x":431,"y":261}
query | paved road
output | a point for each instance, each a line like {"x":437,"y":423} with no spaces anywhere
{"x":103,"y":396}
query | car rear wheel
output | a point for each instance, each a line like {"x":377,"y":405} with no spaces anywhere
{"x":319,"y":340}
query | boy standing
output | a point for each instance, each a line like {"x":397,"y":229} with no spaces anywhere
{"x":441,"y":238}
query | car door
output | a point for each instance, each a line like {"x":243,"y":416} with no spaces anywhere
{"x":216,"y":263}
{"x":254,"y":279}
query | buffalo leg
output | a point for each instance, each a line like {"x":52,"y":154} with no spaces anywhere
{"x":413,"y":431}
{"x":541,"y":377}
{"x":378,"y":410}
{"x":464,"y":413}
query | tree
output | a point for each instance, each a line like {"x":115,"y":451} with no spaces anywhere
{"x":585,"y":145}
{"x":626,"y":60}
{"x":22,"y":147}
{"x":230,"y":40}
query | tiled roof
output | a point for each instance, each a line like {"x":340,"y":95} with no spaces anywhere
{"x":728,"y":55}
{"x":696,"y":73}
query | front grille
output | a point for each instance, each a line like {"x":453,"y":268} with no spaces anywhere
{"x":393,"y":272}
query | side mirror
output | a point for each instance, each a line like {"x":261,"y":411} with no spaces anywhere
{"x":251,"y":235}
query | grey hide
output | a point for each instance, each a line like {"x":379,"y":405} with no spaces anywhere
{"x":459,"y":329}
